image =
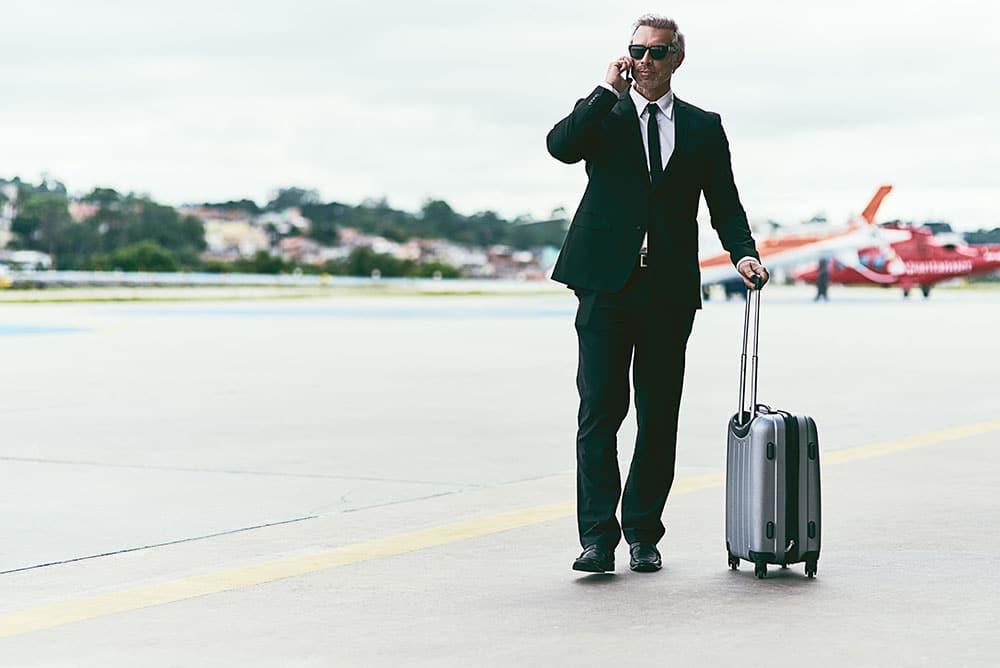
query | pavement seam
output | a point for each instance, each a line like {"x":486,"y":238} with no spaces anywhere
{"x":164,"y":544}
{"x":76,"y":610}
{"x":185,"y":469}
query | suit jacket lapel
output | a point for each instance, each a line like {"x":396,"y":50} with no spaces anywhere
{"x":627,"y":120}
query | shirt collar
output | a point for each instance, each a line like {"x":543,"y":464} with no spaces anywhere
{"x":665,"y":103}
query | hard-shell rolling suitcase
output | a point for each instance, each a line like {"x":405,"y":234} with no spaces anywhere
{"x":772,"y":477}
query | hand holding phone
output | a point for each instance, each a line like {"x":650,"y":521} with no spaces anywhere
{"x":619,"y":73}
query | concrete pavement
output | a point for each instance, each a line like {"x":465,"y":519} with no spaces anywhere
{"x":472,"y":567}
{"x":907,"y":577}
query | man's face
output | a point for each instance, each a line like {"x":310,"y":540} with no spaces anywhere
{"x":651,"y":74}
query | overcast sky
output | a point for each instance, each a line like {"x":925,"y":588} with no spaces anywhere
{"x":212,"y":100}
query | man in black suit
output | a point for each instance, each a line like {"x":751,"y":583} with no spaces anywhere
{"x":631,"y":256}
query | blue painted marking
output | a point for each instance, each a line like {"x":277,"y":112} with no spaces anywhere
{"x":14,"y":330}
{"x":354,"y":313}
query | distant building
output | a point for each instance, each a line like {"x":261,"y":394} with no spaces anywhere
{"x":414,"y":249}
{"x":351,"y":239}
{"x":226,"y":238}
{"x":465,"y":258}
{"x":26,"y":260}
{"x":302,"y":250}
{"x":288,"y":221}
{"x":81,"y":211}
{"x":504,"y":262}
{"x":229,"y":233}
{"x":214,"y":213}
{"x":8,"y":212}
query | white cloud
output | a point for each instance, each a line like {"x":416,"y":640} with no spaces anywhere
{"x":216,"y":100}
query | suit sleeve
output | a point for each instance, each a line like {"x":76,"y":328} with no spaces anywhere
{"x":728,"y":217}
{"x":577,"y":137}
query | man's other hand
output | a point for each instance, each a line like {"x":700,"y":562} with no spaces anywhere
{"x":750,"y":268}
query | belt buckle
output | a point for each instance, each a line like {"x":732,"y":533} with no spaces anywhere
{"x":642,"y":260}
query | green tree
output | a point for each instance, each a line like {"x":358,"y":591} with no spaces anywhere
{"x":377,"y":217}
{"x":984,"y":236}
{"x":165,"y":226}
{"x":262,"y":263}
{"x":246,"y":205}
{"x":103,"y":197}
{"x":363,"y":261}
{"x":434,"y":269}
{"x":142,"y":256}
{"x":46,"y":187}
{"x":488,"y":228}
{"x":77,"y":245}
{"x":289,"y":197}
{"x":42,"y":219}
{"x":122,"y":221}
{"x":442,"y":219}
{"x":532,"y":235}
{"x":324,"y":221}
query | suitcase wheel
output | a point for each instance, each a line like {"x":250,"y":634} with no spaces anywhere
{"x":760,"y":570}
{"x":734,"y":561}
{"x":810,"y":569}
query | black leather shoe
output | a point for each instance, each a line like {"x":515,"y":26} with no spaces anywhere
{"x":644,"y":558}
{"x":595,"y":559}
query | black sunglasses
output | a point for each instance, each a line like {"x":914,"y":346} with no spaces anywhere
{"x":658,"y":51}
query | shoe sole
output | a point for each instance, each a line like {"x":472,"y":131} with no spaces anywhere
{"x":645,"y":567}
{"x":591,"y":567}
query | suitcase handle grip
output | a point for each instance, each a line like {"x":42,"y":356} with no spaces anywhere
{"x":751,"y":293}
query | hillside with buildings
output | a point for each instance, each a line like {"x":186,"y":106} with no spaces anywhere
{"x":42,"y":226}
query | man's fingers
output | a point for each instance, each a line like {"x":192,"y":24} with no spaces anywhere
{"x":751,"y":270}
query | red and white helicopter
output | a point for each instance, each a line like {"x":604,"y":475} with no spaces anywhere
{"x":921,"y":259}
{"x":791,"y":247}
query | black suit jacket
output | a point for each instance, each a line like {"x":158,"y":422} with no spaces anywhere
{"x":620,"y":204}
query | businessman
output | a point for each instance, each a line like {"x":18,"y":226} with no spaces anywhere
{"x":631,"y":257}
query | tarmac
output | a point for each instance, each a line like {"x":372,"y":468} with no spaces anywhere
{"x":372,"y":481}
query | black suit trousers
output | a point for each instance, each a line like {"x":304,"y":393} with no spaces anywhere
{"x":635,"y":328}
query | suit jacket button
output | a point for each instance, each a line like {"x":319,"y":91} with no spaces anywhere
{"x":638,"y":227}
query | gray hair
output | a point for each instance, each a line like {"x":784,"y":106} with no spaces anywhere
{"x":657,"y":21}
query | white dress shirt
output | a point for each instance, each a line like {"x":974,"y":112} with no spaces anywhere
{"x":665,"y":124}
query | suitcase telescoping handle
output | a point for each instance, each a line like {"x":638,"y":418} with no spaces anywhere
{"x":752,"y":413}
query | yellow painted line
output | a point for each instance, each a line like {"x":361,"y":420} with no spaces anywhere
{"x":57,"y":614}
{"x":91,"y":607}
{"x":910,"y":442}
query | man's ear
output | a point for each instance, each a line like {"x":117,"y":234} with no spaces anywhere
{"x":680,"y":59}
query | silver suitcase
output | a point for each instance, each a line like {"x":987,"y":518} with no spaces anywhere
{"x":772,"y":477}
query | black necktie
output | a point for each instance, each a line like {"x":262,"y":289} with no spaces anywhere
{"x":653,"y":137}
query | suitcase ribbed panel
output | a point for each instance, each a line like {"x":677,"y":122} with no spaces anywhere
{"x":737,"y":484}
{"x":752,"y":494}
{"x":811,"y":492}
